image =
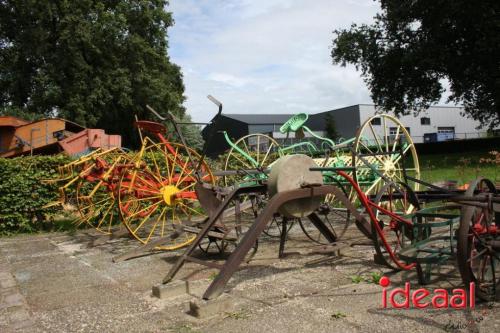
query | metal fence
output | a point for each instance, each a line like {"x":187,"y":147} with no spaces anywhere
{"x":458,"y":136}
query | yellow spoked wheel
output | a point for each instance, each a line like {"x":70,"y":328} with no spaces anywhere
{"x":386,"y":145}
{"x":96,"y":206}
{"x":158,"y":194}
{"x":90,"y":182}
{"x":71,"y":173}
{"x":96,"y":190}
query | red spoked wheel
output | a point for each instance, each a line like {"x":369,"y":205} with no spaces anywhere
{"x":478,"y":243}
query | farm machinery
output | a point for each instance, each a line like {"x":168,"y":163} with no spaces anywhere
{"x":166,"y":197}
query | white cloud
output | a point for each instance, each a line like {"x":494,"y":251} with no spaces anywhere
{"x":265,"y":56}
{"x":228,"y":79}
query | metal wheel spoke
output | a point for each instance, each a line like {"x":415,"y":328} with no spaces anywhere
{"x":396,"y":138}
{"x":375,"y":136}
{"x":258,"y":149}
{"x":190,"y":172}
{"x":145,"y":218}
{"x":371,"y":152}
{"x":187,"y":187}
{"x":191,"y":209}
{"x":477,"y":255}
{"x":144,"y":209}
{"x":386,"y":139}
{"x":242,"y":162}
{"x":267,"y":153}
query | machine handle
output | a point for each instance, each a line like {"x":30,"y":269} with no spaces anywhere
{"x":155,"y":113}
{"x":214,"y":100}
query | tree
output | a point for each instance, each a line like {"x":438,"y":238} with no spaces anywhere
{"x":415,"y":45}
{"x":97,"y":63}
{"x":190,"y":132}
{"x":331,"y":127}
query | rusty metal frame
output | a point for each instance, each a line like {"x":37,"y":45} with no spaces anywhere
{"x":255,"y":230}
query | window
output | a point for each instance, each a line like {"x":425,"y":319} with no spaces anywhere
{"x":425,"y":121}
{"x":446,"y":130}
{"x":446,"y":133}
{"x":376,"y":121}
{"x":394,"y":130}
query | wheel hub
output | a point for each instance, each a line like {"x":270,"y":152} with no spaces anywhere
{"x":389,"y":168}
{"x":168,"y":192}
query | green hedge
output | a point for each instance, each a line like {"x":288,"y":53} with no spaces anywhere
{"x":24,"y":191}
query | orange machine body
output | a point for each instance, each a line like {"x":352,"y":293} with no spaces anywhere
{"x":50,"y":136}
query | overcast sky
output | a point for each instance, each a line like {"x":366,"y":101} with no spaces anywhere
{"x":265,"y":56}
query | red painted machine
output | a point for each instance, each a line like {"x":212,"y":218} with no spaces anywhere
{"x":50,"y":136}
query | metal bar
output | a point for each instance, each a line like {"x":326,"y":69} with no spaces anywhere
{"x":251,"y":236}
{"x":140,"y":251}
{"x":240,"y":172}
{"x":429,"y":185}
{"x":214,"y":234}
{"x":237,"y":214}
{"x":181,"y":137}
{"x":376,"y":154}
{"x":283,"y":234}
{"x":495,"y":244}
{"x":210,"y":264}
{"x":208,"y":224}
{"x":321,"y":226}
{"x":333,"y":169}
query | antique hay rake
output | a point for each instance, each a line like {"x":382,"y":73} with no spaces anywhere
{"x":382,"y":150}
{"x":148,"y":191}
{"x":418,"y":240}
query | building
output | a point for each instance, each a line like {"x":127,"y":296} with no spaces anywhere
{"x":437,"y":119}
{"x":239,"y":125}
{"x":447,"y":122}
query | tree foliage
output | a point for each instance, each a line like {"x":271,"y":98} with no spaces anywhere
{"x":414,"y":45}
{"x":93,"y":62}
{"x":331,"y":127}
{"x":190,"y":132}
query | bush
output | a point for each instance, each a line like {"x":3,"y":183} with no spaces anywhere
{"x":24,"y":191}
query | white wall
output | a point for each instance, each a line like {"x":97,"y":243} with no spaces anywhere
{"x":440,"y":117}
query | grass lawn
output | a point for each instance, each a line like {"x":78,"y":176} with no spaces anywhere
{"x":461,"y":167}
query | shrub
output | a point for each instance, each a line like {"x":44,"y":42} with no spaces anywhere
{"x":24,"y":191}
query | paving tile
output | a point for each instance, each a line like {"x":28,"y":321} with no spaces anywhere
{"x":7,"y":283}
{"x":14,"y":300}
{"x":19,"y":315}
{"x":23,"y":324}
{"x":9,"y":291}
